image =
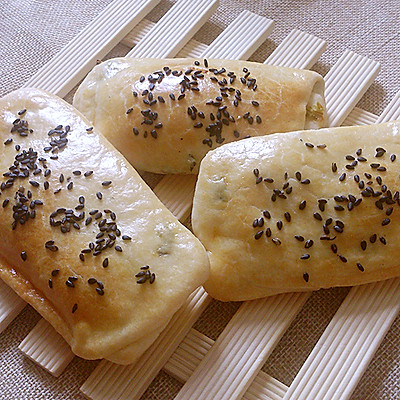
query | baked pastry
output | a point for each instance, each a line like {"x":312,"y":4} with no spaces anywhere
{"x":164,"y":115}
{"x":83,"y":239}
{"x":300,"y":211}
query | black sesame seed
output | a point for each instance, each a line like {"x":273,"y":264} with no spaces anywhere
{"x":106,"y":183}
{"x":100,"y":291}
{"x":342,"y":177}
{"x":386,"y":221}
{"x":118,"y":248}
{"x":363,"y":244}
{"x":338,"y":229}
{"x":69,"y":283}
{"x":334,"y":248}
{"x":360,"y":267}
{"x":267,"y":214}
{"x":81,"y":257}
{"x":50,"y":284}
{"x":393,"y":157}
{"x":306,"y":277}
{"x":305,"y":181}
{"x":258,"y":235}
{"x":305,"y":257}
{"x":317,"y":216}
{"x":24,"y":256}
{"x":287,"y":216}
{"x":105,"y":263}
{"x":321,"y":204}
{"x":88,"y":173}
{"x":268,"y":232}
{"x":55,"y":272}
{"x":74,"y":308}
{"x":298,"y":175}
{"x":99,"y":195}
{"x":76,"y":173}
{"x":34,"y":183}
{"x":382,"y":240}
{"x":302,"y":205}
{"x":308,"y":243}
{"x":276,"y":241}
{"x":310,"y":145}
{"x":299,"y":238}
{"x":343,"y":259}
{"x":372,"y":239}
{"x":279,"y":225}
{"x":70,"y":185}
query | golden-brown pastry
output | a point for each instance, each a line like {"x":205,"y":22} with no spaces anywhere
{"x":164,"y":115}
{"x":82,"y":238}
{"x":300,"y":211}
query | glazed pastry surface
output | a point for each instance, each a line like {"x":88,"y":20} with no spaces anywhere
{"x":300,"y":211}
{"x":83,"y":239}
{"x":165,"y":115}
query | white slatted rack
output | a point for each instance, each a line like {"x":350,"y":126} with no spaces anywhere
{"x":228,"y":368}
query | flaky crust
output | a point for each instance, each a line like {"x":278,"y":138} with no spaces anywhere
{"x":300,"y":211}
{"x":208,"y":107}
{"x":113,"y":316}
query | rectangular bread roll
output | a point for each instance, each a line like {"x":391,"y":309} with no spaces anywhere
{"x":83,"y":239}
{"x":164,"y":115}
{"x":300,"y":211}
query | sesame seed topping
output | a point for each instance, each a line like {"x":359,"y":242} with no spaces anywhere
{"x":306,"y":277}
{"x":258,"y":235}
{"x":24,"y":256}
{"x":317,"y":216}
{"x":308,"y":243}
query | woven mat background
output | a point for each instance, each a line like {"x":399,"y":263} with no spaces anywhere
{"x":32,"y":31}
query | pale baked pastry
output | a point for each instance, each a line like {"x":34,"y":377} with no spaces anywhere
{"x":83,"y":239}
{"x":164,"y":115}
{"x":300,"y":211}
